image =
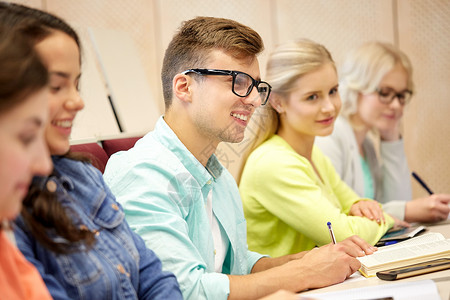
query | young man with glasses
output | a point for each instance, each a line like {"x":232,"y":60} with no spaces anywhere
{"x":183,"y":202}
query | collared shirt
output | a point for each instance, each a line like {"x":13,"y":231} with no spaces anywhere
{"x":163,"y":189}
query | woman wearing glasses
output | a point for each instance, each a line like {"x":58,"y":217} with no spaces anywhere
{"x":366,"y":146}
{"x":289,"y":189}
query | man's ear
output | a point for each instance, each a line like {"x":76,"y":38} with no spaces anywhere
{"x":181,"y":86}
{"x":276,"y":103}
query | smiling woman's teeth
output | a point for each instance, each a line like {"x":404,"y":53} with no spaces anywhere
{"x":63,"y":123}
{"x":240,"y":117}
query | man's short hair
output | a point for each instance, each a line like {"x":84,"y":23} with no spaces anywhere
{"x":194,"y":40}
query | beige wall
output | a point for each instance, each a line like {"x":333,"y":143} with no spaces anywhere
{"x":420,"y":28}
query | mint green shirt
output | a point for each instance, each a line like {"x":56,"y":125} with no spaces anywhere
{"x":163,"y":189}
{"x":287,"y":206}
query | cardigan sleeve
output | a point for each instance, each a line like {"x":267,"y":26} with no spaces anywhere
{"x":396,"y":174}
{"x":395,"y":179}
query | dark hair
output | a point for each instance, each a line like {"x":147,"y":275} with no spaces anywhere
{"x":42,"y":211}
{"x":45,"y":217}
{"x":21,"y":71}
{"x":34,"y":23}
{"x":192,"y":44}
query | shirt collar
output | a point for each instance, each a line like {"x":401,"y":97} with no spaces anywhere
{"x":170,"y":140}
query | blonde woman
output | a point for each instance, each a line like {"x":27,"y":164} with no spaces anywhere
{"x":366,"y":147}
{"x":289,"y":189}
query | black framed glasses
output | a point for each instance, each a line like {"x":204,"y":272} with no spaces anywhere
{"x":387,"y":95}
{"x":242,"y":84}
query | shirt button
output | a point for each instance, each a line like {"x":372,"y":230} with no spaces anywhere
{"x":215,"y":252}
{"x":51,"y":186}
{"x":115,"y":206}
{"x":121,"y":269}
{"x":209,"y":182}
{"x":83,"y":227}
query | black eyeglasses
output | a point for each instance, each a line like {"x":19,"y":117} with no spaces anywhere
{"x":242,"y":82}
{"x":387,"y":95}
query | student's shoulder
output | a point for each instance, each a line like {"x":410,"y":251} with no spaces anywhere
{"x":77,"y":168}
{"x":272,"y":146}
{"x":147,"y":150}
{"x":342,"y":129}
{"x":147,"y":160}
{"x":274,"y":154}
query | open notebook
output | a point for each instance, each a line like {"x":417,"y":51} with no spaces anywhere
{"x":415,"y":290}
{"x":429,"y":246}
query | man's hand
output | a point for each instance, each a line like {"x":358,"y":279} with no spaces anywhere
{"x":320,"y":267}
{"x":331,"y":263}
{"x":354,"y":246}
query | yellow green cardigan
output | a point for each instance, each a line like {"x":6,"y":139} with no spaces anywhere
{"x":287,"y":206}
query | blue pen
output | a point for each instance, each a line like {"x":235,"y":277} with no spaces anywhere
{"x":390,"y":243}
{"x":333,"y":239}
{"x":421,"y":182}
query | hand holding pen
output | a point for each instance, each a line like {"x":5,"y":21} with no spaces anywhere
{"x":422,"y":183}
{"x":333,"y":238}
{"x":353,"y":246}
{"x":427,"y":209}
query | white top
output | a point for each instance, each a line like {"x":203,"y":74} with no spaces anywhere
{"x":390,"y":172}
{"x":220,"y":247}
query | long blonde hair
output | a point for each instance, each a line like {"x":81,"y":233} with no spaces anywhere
{"x":286,"y":64}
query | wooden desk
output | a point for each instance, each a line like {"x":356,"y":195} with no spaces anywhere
{"x":441,"y":278}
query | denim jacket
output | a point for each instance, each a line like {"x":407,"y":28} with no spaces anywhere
{"x":118,"y":266}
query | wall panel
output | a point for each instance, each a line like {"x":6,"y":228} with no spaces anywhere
{"x":253,"y":13}
{"x":423,"y":35}
{"x":97,"y":118}
{"x":338,"y":25}
{"x":32,"y":3}
{"x":134,"y":17}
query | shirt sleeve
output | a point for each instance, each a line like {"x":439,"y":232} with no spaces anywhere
{"x":396,"y":174}
{"x":306,"y":206}
{"x":157,"y":215}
